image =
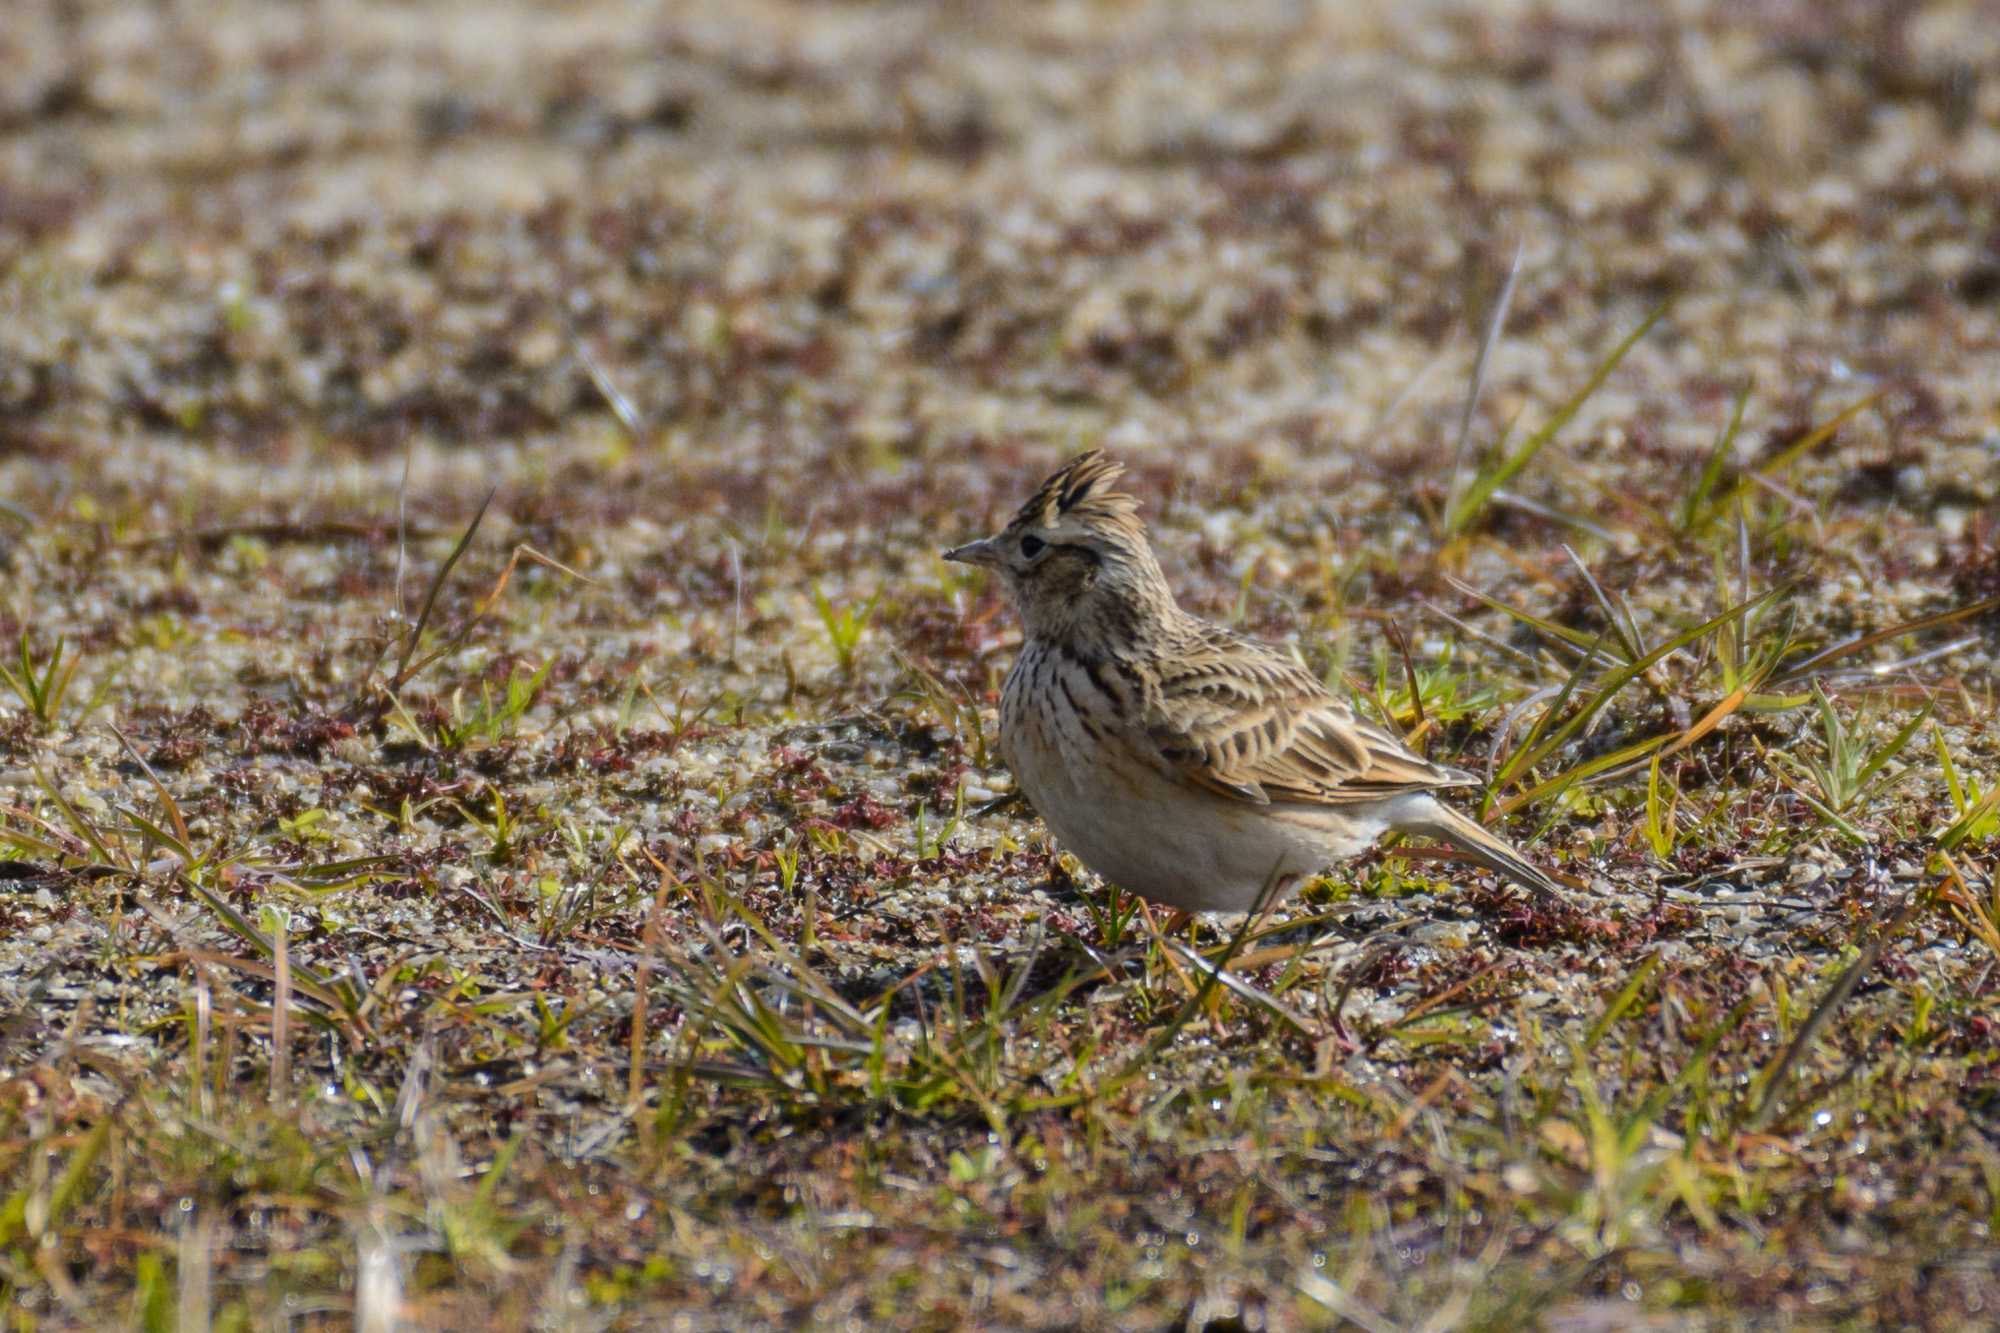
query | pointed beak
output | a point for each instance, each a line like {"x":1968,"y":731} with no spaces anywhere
{"x":985,"y":551}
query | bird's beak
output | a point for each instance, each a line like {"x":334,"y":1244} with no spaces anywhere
{"x":985,"y":551}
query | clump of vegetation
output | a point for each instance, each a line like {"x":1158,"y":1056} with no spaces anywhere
{"x":41,"y":685}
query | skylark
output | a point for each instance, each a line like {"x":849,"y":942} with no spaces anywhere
{"x":1178,"y":759}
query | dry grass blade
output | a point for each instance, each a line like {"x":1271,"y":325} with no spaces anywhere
{"x":1328,"y":1295}
{"x":649,"y":945}
{"x":1263,"y":1000}
{"x":204,"y":1020}
{"x":1619,"y":618}
{"x":315,"y":988}
{"x":1587,"y":644}
{"x":403,"y":522}
{"x":403,"y":670}
{"x":1402,"y":643}
{"x":1496,"y":323}
{"x":82,"y":827}
{"x":272,"y":532}
{"x":1799,"y":672}
{"x":194,"y":1297}
{"x":167,"y":802}
{"x":1709,"y":721}
{"x":621,"y":406}
{"x":341,"y":997}
{"x":1980,"y":918}
{"x":52,"y":845}
{"x":484,"y":606}
{"x":1609,"y":767}
{"x":1432,"y":1003}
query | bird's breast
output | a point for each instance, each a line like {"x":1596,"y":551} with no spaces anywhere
{"x":1083,"y":762}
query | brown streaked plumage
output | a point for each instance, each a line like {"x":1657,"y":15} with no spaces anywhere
{"x":1180,"y":760}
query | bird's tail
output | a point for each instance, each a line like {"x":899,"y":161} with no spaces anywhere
{"x":1432,"y":818}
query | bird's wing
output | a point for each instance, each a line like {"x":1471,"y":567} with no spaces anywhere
{"x":1238,"y":719}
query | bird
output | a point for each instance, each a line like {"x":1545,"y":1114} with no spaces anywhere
{"x":1196,"y":767}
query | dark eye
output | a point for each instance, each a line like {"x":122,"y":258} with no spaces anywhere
{"x":1032,"y":546}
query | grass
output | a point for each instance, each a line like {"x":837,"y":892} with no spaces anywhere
{"x":844,"y":626}
{"x":1020,"y":1075}
{"x":41,"y":686}
{"x":1850,"y":772}
{"x":630,"y":923}
{"x":1502,"y":466}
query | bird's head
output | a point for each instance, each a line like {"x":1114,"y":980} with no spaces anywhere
{"x":1076,"y":559}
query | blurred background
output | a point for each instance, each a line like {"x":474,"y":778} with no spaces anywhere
{"x":858,"y":234}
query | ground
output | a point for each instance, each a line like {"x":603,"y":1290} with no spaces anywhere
{"x":496,"y":784}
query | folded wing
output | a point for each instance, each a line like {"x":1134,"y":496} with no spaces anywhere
{"x":1240,"y":720}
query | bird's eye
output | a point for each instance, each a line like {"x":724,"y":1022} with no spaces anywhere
{"x":1032,"y":546}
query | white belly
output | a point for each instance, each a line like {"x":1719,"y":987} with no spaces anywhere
{"x":1155,"y":836}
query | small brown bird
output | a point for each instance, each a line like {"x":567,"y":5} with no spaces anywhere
{"x":1182,"y":761}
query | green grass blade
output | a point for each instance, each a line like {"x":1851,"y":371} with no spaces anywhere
{"x":1888,"y":752}
{"x":1576,"y":639}
{"x":1618,"y":679}
{"x":1785,"y":457}
{"x":1950,"y":770}
{"x":1694,"y":507}
{"x":1963,"y":827}
{"x":1477,"y":496}
{"x":1530,"y":744}
{"x":497,"y":1172}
